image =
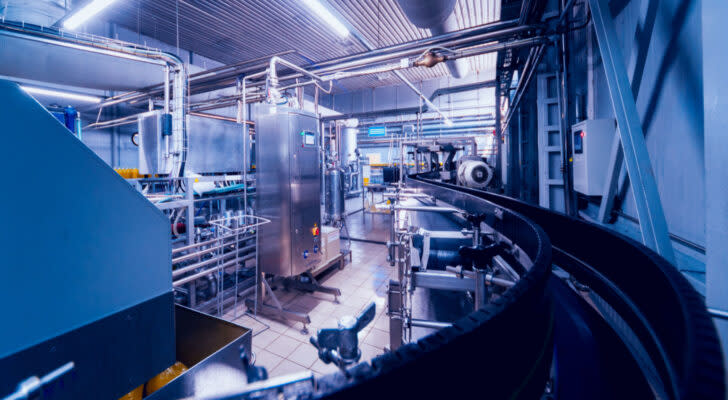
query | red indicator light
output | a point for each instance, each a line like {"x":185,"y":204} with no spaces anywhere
{"x":582,"y":134}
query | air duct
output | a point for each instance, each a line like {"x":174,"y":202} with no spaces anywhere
{"x":36,"y":12}
{"x":438,"y":17}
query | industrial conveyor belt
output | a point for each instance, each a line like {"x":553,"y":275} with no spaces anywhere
{"x":613,"y":320}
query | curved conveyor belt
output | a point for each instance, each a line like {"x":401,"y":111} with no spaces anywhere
{"x":614,"y":320}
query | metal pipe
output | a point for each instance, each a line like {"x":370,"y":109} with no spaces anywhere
{"x":436,"y":209}
{"x":191,"y":267}
{"x":197,"y":81}
{"x":215,"y":116}
{"x":166,"y":89}
{"x":195,"y":245}
{"x":529,"y":69}
{"x":423,"y":323}
{"x":244,"y":117}
{"x":430,"y":105}
{"x":570,"y":206}
{"x":499,"y":281}
{"x":196,"y":254}
{"x":273,"y":76}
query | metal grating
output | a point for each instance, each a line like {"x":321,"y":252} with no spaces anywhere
{"x":234,"y":30}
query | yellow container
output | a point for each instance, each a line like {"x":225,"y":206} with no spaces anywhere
{"x":135,"y":394}
{"x":165,"y":377}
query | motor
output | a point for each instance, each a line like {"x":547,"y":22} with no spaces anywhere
{"x":474,"y":172}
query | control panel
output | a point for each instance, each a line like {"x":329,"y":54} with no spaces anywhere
{"x":591,"y":142}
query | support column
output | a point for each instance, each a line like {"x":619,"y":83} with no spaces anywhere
{"x":716,"y":160}
{"x":498,"y":176}
{"x":647,"y":198}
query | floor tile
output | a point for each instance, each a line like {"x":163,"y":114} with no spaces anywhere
{"x":283,"y":346}
{"x":377,"y":338}
{"x":286,"y":367}
{"x":305,"y":354}
{"x":267,"y":359}
{"x":368,"y":351}
{"x":264,"y":338}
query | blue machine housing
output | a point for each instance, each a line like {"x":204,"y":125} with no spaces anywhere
{"x":86,"y":263}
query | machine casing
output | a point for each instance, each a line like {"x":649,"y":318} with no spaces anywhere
{"x":87,"y":274}
{"x":213,"y":146}
{"x":288,"y":188}
{"x":591,"y":142}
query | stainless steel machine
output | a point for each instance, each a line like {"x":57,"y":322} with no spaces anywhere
{"x":288,"y":190}
{"x":288,"y":187}
{"x":350,"y":163}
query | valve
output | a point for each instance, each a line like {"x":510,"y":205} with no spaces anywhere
{"x":341,"y":345}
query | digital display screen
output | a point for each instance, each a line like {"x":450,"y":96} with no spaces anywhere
{"x":309,"y":138}
{"x":377,"y":131}
{"x":578,"y":142}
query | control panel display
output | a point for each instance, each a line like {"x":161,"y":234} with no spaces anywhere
{"x":578,"y":142}
{"x":309,"y":138}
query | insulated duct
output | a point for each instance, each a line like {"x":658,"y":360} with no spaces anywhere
{"x":36,"y":12}
{"x":438,"y":17}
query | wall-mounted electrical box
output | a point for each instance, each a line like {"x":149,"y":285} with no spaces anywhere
{"x":591,"y":143}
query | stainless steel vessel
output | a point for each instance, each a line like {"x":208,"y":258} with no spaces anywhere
{"x":288,"y":189}
{"x":334,"y":194}
{"x":348,"y":145}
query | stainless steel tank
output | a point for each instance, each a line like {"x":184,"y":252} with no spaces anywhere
{"x":348,"y":145}
{"x":334,"y":206}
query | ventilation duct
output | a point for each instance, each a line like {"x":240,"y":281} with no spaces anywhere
{"x":36,"y":12}
{"x":438,"y":17}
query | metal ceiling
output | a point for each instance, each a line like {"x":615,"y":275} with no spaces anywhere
{"x":235,"y":30}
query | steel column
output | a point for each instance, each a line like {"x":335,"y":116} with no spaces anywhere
{"x":611,"y":184}
{"x":716,"y":158}
{"x":647,"y":198}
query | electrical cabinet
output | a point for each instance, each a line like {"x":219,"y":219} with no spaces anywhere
{"x":591,"y":143}
{"x":288,"y":189}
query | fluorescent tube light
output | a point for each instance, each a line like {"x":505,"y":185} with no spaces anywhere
{"x":327,"y":17}
{"x":56,"y":93}
{"x":85,"y":13}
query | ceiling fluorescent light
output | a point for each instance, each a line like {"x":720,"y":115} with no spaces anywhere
{"x":85,"y":13}
{"x":327,"y":17}
{"x":56,"y":93}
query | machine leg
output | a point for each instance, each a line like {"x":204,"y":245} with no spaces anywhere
{"x":395,"y":311}
{"x":275,"y":310}
{"x":481,"y":291}
{"x":308,"y":283}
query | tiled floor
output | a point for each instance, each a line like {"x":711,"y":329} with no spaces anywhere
{"x":282,"y":348}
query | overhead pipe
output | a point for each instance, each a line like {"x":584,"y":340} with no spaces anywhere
{"x":476,"y":50}
{"x":414,"y":110}
{"x":439,"y":18}
{"x":110,"y":48}
{"x":198,"y":80}
{"x":454,"y":41}
{"x":485,"y":33}
{"x":528,"y":72}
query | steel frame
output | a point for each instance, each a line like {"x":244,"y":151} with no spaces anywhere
{"x":653,"y":225}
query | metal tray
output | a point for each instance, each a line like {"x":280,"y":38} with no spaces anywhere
{"x":210,"y":348}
